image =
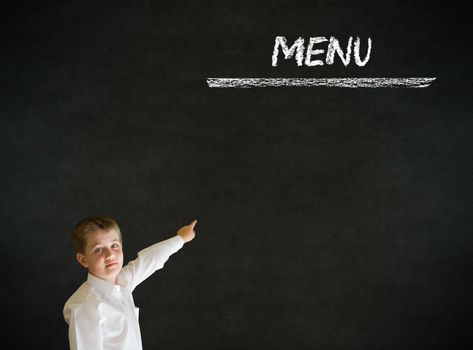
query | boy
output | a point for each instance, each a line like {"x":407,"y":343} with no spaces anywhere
{"x":101,"y":314}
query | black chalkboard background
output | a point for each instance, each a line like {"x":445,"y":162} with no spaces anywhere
{"x":329,"y":218}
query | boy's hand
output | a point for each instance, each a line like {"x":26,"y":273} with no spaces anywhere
{"x":187,"y":232}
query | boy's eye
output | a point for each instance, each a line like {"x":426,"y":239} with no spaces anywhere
{"x":98,"y":250}
{"x":115,"y":245}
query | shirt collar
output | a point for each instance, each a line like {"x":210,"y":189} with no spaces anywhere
{"x":105,"y":288}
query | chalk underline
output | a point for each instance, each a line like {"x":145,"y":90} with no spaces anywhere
{"x":419,"y":82}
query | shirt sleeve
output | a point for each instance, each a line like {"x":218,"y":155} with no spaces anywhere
{"x":149,"y":260}
{"x":85,"y":331}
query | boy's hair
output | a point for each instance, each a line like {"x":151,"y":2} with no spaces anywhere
{"x":91,"y":224}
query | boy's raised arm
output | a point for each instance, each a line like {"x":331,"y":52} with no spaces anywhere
{"x":154,"y":257}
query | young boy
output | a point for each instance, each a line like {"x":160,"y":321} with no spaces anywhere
{"x":101,"y":314}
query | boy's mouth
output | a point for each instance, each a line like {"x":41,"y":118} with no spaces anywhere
{"x":111,"y":264}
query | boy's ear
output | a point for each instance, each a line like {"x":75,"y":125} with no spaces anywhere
{"x":82,"y":260}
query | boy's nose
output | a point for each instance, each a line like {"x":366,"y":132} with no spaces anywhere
{"x":109,"y":254}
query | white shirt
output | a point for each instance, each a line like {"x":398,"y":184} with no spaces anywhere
{"x":102,"y":315}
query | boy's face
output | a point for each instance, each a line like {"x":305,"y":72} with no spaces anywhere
{"x":103,"y":255}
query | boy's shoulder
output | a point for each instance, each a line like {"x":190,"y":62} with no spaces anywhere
{"x":83,"y":295}
{"x":83,"y":299}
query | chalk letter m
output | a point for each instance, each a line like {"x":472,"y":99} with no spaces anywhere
{"x":288,"y":52}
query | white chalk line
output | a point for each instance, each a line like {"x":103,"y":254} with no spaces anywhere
{"x":420,"y":82}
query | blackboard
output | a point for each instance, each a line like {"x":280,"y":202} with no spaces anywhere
{"x":329,"y":217}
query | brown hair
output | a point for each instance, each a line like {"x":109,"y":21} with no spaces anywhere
{"x":91,"y":224}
